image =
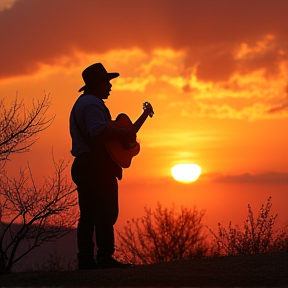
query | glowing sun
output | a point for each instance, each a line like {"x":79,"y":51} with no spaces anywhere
{"x":186,"y":173}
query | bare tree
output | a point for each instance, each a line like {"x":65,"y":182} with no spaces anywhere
{"x":20,"y":126}
{"x":162,"y":236}
{"x":35,"y":214}
{"x":30,"y":214}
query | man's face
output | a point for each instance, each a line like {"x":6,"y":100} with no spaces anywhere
{"x":103,"y":89}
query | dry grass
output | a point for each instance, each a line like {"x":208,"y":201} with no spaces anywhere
{"x":246,"y":271}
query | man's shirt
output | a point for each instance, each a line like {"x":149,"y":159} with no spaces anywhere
{"x":91,"y":116}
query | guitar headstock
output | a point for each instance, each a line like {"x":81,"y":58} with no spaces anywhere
{"x":148,"y":106}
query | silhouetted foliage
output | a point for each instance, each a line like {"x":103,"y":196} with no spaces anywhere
{"x":257,"y":236}
{"x":19,"y":126}
{"x":57,"y":262}
{"x":42,"y":213}
{"x":162,"y":236}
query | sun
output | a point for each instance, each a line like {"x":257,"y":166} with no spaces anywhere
{"x":186,"y":173}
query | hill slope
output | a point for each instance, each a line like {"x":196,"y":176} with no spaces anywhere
{"x":251,"y":270}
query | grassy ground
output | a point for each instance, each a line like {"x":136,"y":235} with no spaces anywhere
{"x":244,"y":271}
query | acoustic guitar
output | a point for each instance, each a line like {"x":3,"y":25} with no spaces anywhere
{"x":122,"y":153}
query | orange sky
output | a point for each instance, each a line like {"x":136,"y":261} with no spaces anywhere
{"x":215,"y":72}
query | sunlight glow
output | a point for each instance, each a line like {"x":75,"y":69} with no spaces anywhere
{"x":186,"y":173}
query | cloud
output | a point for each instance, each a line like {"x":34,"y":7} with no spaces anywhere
{"x":161,"y":75}
{"x":6,"y":4}
{"x":277,"y":109}
{"x":217,"y":59}
{"x":262,"y":53}
{"x":280,"y":108}
{"x":188,"y":138}
{"x":36,"y":32}
{"x":216,"y":67}
{"x":264,"y":178}
{"x":224,"y":111}
{"x":134,"y":84}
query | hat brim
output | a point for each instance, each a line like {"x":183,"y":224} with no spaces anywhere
{"x":109,"y":76}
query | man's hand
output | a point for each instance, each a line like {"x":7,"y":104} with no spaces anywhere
{"x":126,"y":135}
{"x":128,"y":138}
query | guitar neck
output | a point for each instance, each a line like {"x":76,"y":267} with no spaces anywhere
{"x":140,"y":121}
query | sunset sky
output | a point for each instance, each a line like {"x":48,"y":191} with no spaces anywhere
{"x":216,"y":73}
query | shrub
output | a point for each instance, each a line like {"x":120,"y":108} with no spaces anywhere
{"x":162,"y":236}
{"x":257,"y":236}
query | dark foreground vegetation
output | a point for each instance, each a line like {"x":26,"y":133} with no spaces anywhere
{"x":243,"y":270}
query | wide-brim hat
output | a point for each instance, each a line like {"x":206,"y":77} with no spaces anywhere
{"x":96,"y":73}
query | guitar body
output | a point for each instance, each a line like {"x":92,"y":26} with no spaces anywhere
{"x":121,"y":155}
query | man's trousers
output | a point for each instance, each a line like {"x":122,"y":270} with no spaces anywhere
{"x":98,"y":203}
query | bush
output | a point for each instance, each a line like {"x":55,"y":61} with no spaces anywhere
{"x":257,"y":236}
{"x":162,"y":236}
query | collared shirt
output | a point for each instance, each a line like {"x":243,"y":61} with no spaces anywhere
{"x":91,"y":116}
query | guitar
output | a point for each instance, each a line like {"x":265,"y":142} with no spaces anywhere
{"x":120,"y":153}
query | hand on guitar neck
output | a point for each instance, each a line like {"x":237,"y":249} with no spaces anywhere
{"x":126,"y":147}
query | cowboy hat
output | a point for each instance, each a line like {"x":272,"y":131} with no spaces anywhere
{"x":95,"y":73}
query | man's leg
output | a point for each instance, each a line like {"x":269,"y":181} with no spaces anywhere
{"x":106,"y":217}
{"x":85,"y":233}
{"x":104,"y":239}
{"x":83,"y":178}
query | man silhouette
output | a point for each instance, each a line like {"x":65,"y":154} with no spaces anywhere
{"x":94,"y":171}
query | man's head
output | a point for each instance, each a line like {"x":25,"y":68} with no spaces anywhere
{"x":97,"y":79}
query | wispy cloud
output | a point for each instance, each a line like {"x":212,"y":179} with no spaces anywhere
{"x":264,"y":178}
{"x":170,"y":138}
{"x":280,"y":108}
